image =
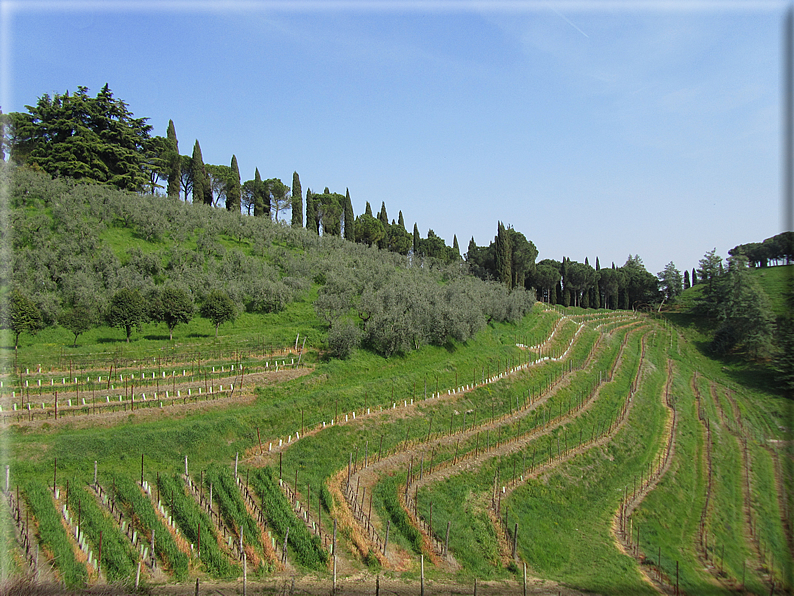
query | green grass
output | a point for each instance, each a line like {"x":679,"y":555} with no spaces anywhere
{"x":306,"y":548}
{"x":479,"y":556}
{"x":189,"y":517}
{"x":118,"y":557}
{"x":230,"y":502}
{"x":52,"y":535}
{"x":129,"y":495}
{"x":11,"y":557}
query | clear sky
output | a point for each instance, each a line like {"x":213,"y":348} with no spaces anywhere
{"x":595,"y":128}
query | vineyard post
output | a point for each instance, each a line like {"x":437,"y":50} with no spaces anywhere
{"x":259,"y":440}
{"x":141,"y":470}
{"x":525,"y":579}
{"x":138,"y":578}
{"x":422,"y":575}
{"x":197,"y":581}
{"x":54,"y":476}
{"x":245,"y":574}
{"x":515,"y":540}
{"x":334,"y":588}
{"x":446,"y":540}
{"x":186,"y":466}
{"x":386,"y":541}
{"x":95,"y":471}
{"x":333,"y":543}
{"x":198,"y":544}
{"x":236,"y":459}
{"x":99,"y":558}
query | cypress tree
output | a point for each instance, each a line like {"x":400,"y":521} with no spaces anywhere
{"x":585,"y":261}
{"x":401,"y":221}
{"x":202,"y":191}
{"x":557,"y":294}
{"x":297,"y":201}
{"x":384,"y":219}
{"x":234,"y":191}
{"x":598,"y":265}
{"x":470,"y":250}
{"x":259,"y":196}
{"x":311,"y":212}
{"x":504,"y":256}
{"x":694,"y":276}
{"x":350,"y":224}
{"x":687,"y":285}
{"x":174,"y":162}
{"x":416,"y":239}
{"x":368,"y":209}
{"x":455,"y":246}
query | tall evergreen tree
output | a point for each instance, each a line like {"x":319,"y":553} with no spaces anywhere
{"x":687,"y":284}
{"x":368,"y":210}
{"x":384,"y":219}
{"x":297,"y":201}
{"x":471,"y":249}
{"x":504,"y":256}
{"x":233,"y":189}
{"x":455,"y":246}
{"x":694,"y":277}
{"x":202,"y":190}
{"x":417,"y":238}
{"x":260,"y":209}
{"x":174,"y":162}
{"x":401,"y":221}
{"x":598,"y":265}
{"x":350,"y":223}
{"x":310,"y":209}
{"x":83,"y":137}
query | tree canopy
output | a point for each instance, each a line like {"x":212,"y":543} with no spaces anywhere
{"x":84,"y":137}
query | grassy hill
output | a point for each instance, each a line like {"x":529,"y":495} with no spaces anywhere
{"x":603,"y":449}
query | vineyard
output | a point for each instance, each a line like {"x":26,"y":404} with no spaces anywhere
{"x":577,"y":451}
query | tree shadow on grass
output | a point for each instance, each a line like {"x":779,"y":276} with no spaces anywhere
{"x":156,"y":337}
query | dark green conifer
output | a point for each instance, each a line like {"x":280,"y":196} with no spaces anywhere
{"x":260,"y":209}
{"x":504,"y":256}
{"x":417,"y":238}
{"x":455,"y":246}
{"x":311,"y":212}
{"x":687,"y":284}
{"x":368,"y":209}
{"x":384,"y":219}
{"x":350,"y":224}
{"x":234,"y":190}
{"x":297,"y":201}
{"x":202,"y":191}
{"x":401,"y":221}
{"x":174,"y":162}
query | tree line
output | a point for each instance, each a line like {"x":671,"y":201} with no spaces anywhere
{"x":60,"y":263}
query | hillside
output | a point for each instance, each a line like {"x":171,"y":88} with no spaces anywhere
{"x":467,"y":436}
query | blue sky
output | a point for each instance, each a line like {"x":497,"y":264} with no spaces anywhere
{"x":596,"y":129}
